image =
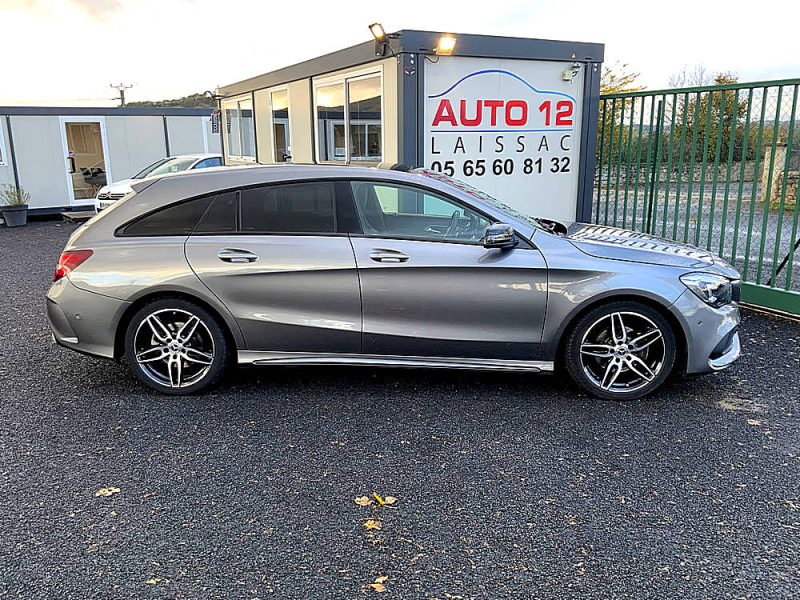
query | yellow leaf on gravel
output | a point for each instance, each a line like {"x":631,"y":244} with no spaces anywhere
{"x":381,"y":579}
{"x":378,"y":587}
{"x":372,"y":524}
{"x":107,"y":491}
{"x":378,"y":498}
{"x":753,"y":422}
{"x":153,"y":581}
{"x":389,"y":500}
{"x":363,"y":501}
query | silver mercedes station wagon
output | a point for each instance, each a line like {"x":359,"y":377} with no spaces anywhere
{"x":321,"y":265}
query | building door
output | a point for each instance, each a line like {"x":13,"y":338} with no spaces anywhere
{"x":85,"y":156}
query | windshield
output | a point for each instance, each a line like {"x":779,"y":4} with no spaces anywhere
{"x":169,"y":165}
{"x":481,"y":195}
{"x":146,"y":171}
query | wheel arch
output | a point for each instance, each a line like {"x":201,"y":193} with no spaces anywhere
{"x":681,"y":351}
{"x":127,"y":315}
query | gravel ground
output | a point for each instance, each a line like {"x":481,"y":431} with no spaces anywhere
{"x":507,"y":485}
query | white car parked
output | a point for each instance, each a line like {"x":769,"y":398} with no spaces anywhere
{"x":112,"y":192}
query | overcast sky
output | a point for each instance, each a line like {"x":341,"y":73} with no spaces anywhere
{"x":67,"y":52}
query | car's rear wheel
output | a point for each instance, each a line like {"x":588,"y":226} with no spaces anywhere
{"x":176,"y":346}
{"x":622,"y":350}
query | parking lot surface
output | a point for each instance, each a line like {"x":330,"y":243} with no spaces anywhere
{"x":507,"y":485}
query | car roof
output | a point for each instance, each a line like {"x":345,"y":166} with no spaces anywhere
{"x":195,"y":155}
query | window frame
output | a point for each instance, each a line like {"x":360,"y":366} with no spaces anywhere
{"x":287,"y":124}
{"x":344,"y":79}
{"x":236,"y":103}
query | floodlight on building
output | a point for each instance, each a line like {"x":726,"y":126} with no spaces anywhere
{"x":446,"y":45}
{"x":382,"y":39}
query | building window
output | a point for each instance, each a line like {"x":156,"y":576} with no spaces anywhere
{"x":279,"y":108}
{"x":240,"y":129}
{"x":364,"y":108}
{"x":355,"y":134}
{"x":3,"y":159}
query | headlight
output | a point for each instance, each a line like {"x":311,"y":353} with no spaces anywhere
{"x":714,"y":290}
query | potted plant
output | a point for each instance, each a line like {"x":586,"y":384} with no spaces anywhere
{"x":14,"y":205}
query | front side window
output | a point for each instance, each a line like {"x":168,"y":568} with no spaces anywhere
{"x":279,"y":102}
{"x":240,"y":128}
{"x":289,"y":208}
{"x":350,"y":120}
{"x":207,"y":163}
{"x":390,"y":210}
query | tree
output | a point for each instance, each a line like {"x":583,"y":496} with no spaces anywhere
{"x":709,"y":118}
{"x":616,"y":79}
{"x":190,"y":101}
{"x":690,"y":77}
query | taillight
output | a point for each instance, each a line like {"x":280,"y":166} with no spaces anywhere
{"x":69,"y":261}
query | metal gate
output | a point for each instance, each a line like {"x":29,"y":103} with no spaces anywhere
{"x":714,"y":166}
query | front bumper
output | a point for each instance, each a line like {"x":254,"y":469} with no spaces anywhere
{"x":712,"y":338}
{"x":83,"y":321}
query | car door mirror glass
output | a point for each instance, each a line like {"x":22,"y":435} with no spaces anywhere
{"x":500,"y":235}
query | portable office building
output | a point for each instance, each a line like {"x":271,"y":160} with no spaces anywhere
{"x":62,"y":156}
{"x":514,"y":117}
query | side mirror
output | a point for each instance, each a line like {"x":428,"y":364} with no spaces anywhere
{"x":500,"y":235}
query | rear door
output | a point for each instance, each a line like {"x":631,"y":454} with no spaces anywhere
{"x":273,"y":255}
{"x":430,"y":288}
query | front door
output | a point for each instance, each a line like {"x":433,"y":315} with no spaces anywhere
{"x":281,"y":268}
{"x":85,"y":153}
{"x":430,"y":288}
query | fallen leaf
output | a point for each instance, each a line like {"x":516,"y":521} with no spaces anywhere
{"x":389,"y":500}
{"x":381,"y":579}
{"x":107,"y":491}
{"x":363,"y":501}
{"x":372,"y":524}
{"x":753,"y":422}
{"x":378,"y":587}
{"x":153,"y":581}
{"x":378,"y":498}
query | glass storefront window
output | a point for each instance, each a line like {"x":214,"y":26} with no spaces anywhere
{"x":279,"y":101}
{"x":240,"y":129}
{"x":354,"y":135}
{"x":329,"y":101}
{"x":364,"y":108}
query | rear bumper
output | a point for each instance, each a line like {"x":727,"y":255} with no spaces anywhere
{"x":712,"y":338}
{"x":83,"y":321}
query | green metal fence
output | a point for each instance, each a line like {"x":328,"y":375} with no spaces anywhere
{"x":713,"y":166}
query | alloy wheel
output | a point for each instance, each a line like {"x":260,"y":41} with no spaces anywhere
{"x":174,"y":347}
{"x":622,"y":352}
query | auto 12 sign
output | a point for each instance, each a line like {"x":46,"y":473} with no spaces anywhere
{"x":510,"y":128}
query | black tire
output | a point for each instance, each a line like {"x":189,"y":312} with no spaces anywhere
{"x":630,"y":370}
{"x":164,"y":359}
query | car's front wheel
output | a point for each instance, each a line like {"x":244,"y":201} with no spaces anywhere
{"x":622,"y":350}
{"x":176,"y":346}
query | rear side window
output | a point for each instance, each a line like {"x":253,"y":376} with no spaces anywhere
{"x":221,"y":215}
{"x":176,"y":219}
{"x":289,"y":208}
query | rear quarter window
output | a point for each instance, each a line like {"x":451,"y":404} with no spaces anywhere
{"x":176,"y":219}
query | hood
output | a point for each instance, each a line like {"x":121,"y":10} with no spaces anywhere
{"x":621,"y":244}
{"x":118,"y":187}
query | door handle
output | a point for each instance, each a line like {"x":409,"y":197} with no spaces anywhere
{"x":388,"y":256}
{"x":236,"y":255}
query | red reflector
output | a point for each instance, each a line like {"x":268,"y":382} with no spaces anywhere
{"x":69,"y":261}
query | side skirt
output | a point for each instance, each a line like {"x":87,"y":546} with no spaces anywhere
{"x":260,"y":358}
